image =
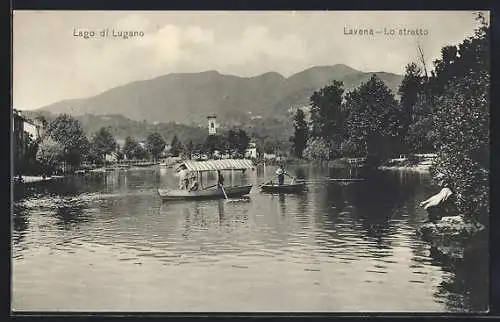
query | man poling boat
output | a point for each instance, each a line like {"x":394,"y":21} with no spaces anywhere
{"x":281,"y":187}
{"x":183,"y":177}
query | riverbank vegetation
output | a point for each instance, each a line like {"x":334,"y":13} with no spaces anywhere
{"x":445,"y":112}
{"x":63,"y":147}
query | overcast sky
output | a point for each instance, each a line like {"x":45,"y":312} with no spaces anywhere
{"x":51,"y":64}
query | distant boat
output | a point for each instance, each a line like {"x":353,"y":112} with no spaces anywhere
{"x":211,"y":192}
{"x":283,"y":188}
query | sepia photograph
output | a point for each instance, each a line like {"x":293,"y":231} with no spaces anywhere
{"x":250,"y":161}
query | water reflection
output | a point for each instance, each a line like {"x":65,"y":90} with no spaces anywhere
{"x":356,"y":239}
{"x":20,"y":223}
{"x":465,"y":283}
{"x":68,"y":217}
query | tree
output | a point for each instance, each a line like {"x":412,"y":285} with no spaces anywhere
{"x":237,"y":141}
{"x":243,"y":141}
{"x":420,"y":134}
{"x":176,"y":147}
{"x":373,"y":118}
{"x":327,"y":117}
{"x":351,"y":148}
{"x":103,"y":143}
{"x":141,"y":153}
{"x":461,"y":121}
{"x":156,"y":145}
{"x":189,"y":149}
{"x":318,"y":149}
{"x":410,"y":90}
{"x":301,"y":133}
{"x":68,"y":132}
{"x":50,"y":153}
{"x":119,"y":155}
{"x":131,"y":148}
{"x":43,"y":121}
{"x":212,"y":143}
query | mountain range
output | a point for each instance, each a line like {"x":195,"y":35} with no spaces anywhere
{"x":188,"y":98}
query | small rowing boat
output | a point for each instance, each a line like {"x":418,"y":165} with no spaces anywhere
{"x":211,"y":193}
{"x":284,"y":188}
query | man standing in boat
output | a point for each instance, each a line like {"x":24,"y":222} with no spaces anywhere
{"x":280,"y":173}
{"x":183,"y":178}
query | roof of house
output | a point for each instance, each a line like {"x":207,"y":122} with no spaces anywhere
{"x":18,"y":113}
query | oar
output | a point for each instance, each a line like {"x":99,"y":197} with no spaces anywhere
{"x":224,"y":191}
{"x":227,"y":198}
{"x":268,"y":180}
{"x":293,"y":178}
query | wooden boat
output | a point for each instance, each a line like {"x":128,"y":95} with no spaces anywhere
{"x":211,"y":193}
{"x":284,"y":188}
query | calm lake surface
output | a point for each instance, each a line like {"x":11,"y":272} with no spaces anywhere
{"x":106,"y":242}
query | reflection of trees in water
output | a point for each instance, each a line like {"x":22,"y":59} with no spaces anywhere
{"x":282,"y":203}
{"x":367,"y":207}
{"x":344,"y":172}
{"x":300,"y":172}
{"x":68,"y":186}
{"x":220,"y":208}
{"x":71,"y":216}
{"x":465,"y":284}
{"x":187,"y":223}
{"x":20,"y":223}
{"x":140,"y":179}
{"x":303,"y":203}
{"x":377,"y":200}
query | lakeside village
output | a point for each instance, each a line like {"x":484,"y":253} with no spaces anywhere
{"x":439,"y":123}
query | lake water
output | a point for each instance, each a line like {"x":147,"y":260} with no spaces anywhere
{"x":106,"y":242}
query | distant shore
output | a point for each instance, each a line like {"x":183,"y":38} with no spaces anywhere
{"x":35,"y":179}
{"x":415,"y":168}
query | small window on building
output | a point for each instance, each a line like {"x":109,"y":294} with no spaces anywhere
{"x":212,"y":125}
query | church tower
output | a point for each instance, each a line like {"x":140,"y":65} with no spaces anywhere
{"x":212,"y":124}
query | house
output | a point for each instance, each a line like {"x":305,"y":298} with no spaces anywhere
{"x":121,"y":143}
{"x":20,"y":126}
{"x":251,"y":151}
{"x":111,"y":157}
{"x":269,"y":156}
{"x":166,"y":150}
{"x":143,"y":144}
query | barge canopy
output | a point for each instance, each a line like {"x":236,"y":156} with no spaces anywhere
{"x":214,"y":165}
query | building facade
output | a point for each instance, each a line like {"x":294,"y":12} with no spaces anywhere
{"x":22,"y":127}
{"x":251,"y":151}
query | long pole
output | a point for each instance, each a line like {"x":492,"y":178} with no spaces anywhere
{"x":224,"y":191}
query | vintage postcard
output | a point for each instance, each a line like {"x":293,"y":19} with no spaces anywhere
{"x":250,"y":161}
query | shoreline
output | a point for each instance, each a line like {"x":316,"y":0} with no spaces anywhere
{"x":36,"y":179}
{"x":414,"y":168}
